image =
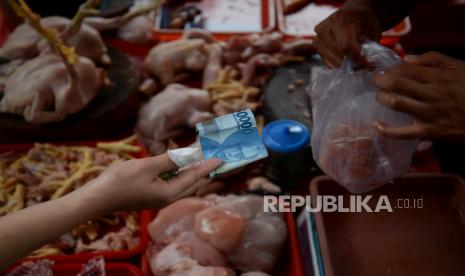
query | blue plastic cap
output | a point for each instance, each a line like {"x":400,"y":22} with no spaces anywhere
{"x":286,"y":136}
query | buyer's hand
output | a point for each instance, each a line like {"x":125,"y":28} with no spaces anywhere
{"x":136,"y":184}
{"x":342,"y":32}
{"x":128,"y":185}
{"x":430,"y":87}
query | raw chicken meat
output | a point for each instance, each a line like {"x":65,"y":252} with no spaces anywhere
{"x":248,"y":206}
{"x":25,"y":43}
{"x":140,"y":9}
{"x":214,"y":63}
{"x":178,"y":218}
{"x":298,"y":47}
{"x":135,"y":26}
{"x":214,"y":224}
{"x":262,"y":244}
{"x":138,"y":30}
{"x":167,"y":113}
{"x":39,"y":268}
{"x":172,"y":61}
{"x":204,"y":236}
{"x":45,"y":90}
{"x":123,"y":239}
{"x":6,"y":70}
{"x":94,"y":267}
{"x":264,"y":234}
{"x":240,"y":48}
{"x":256,"y":55}
{"x":250,"y":71}
{"x":185,"y":252}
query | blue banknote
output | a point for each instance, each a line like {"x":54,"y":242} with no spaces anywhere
{"x":233,"y":138}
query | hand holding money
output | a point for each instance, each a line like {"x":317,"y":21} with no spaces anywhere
{"x":233,"y":138}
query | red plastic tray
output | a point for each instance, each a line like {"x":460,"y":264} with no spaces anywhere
{"x":289,"y":264}
{"x":390,"y":37}
{"x":412,"y":240}
{"x":268,"y":24}
{"x":144,"y":217}
{"x":113,"y":269}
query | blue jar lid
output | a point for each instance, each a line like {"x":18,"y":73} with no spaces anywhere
{"x":286,"y":136}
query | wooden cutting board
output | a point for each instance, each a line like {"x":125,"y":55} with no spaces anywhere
{"x":112,"y":114}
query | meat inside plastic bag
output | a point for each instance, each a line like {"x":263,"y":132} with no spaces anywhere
{"x":345,"y":145}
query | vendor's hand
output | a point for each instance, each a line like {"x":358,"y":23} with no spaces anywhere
{"x":136,"y":184}
{"x":430,"y":87}
{"x":341,"y":35}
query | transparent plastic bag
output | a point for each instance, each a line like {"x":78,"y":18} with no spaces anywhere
{"x":345,"y":145}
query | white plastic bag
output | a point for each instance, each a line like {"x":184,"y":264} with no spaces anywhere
{"x":345,"y":145}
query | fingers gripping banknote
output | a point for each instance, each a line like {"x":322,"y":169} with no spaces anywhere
{"x":233,"y":138}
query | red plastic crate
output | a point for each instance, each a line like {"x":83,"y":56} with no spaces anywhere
{"x":289,"y":264}
{"x":268,"y":24}
{"x":144,"y":217}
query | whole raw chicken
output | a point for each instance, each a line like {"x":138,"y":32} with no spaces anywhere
{"x":25,"y":43}
{"x":167,"y":113}
{"x":173,"y":61}
{"x":140,"y":29}
{"x":45,"y":90}
{"x":212,"y":235}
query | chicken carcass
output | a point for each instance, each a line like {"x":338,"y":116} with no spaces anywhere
{"x":172,"y":61}
{"x":138,"y":30}
{"x":25,"y":42}
{"x":6,"y":70}
{"x":167,"y":113}
{"x":44,"y":90}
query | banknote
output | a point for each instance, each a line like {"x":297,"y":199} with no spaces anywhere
{"x":233,"y":138}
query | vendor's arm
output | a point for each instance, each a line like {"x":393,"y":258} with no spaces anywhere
{"x":128,"y":185}
{"x":430,"y":87}
{"x":341,"y":33}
